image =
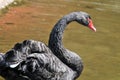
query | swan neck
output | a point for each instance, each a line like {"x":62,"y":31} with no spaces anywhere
{"x":71,"y":59}
{"x":58,"y":30}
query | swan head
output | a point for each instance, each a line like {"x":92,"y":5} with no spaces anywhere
{"x":85,"y":19}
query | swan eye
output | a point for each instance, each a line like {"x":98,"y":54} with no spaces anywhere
{"x":89,"y":17}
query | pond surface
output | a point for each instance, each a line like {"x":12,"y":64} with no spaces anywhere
{"x":100,"y":51}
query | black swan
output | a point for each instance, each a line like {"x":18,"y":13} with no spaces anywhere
{"x":33,"y":60}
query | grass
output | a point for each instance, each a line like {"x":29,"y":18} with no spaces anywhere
{"x":99,"y":51}
{"x":18,"y":3}
{"x":3,"y":11}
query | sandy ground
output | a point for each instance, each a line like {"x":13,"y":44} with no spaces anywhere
{"x":13,"y":17}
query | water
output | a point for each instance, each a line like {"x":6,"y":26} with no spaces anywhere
{"x":99,"y":51}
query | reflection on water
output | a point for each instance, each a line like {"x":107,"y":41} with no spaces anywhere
{"x":99,"y":51}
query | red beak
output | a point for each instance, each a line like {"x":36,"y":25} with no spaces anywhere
{"x":90,"y":25}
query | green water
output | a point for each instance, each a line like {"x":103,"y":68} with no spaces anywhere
{"x":99,"y":51}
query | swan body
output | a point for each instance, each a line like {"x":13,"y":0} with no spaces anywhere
{"x":33,"y":60}
{"x":37,"y":62}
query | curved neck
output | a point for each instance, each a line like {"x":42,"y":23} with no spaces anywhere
{"x":57,"y":32}
{"x":69,"y":58}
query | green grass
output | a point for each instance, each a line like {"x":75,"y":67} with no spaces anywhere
{"x":18,"y":3}
{"x":3,"y":11}
{"x":99,"y":51}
